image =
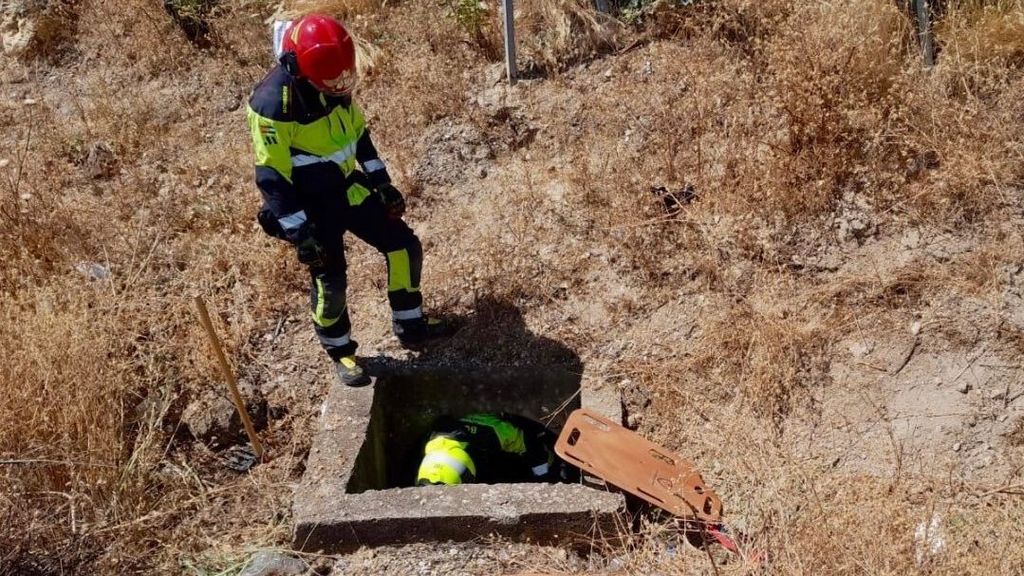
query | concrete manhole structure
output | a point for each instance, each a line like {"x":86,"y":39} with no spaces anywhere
{"x":358,"y":486}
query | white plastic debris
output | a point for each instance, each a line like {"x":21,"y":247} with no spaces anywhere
{"x":93,"y":270}
{"x":928,"y":539}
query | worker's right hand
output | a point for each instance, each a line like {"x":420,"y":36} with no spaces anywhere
{"x":394,"y":202}
{"x":310,"y":252}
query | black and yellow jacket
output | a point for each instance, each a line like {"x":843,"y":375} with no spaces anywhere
{"x":294,"y":126}
{"x":488,"y":448}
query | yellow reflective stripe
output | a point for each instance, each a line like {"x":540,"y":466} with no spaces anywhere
{"x":451,"y":448}
{"x":318,"y":314}
{"x":438,"y":473}
{"x":332,"y":138}
{"x":399,"y":272}
{"x":342,"y":157}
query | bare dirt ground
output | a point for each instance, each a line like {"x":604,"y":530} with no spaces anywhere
{"x":830,"y":327}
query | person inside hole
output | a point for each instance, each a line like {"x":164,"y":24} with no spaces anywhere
{"x":490,"y":448}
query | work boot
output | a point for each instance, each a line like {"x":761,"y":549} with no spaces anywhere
{"x":349,"y":372}
{"x":418,"y":331}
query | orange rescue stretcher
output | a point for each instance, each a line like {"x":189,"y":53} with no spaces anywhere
{"x":632,"y":463}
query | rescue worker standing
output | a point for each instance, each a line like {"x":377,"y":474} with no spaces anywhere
{"x":489,"y":448}
{"x":308,"y":135}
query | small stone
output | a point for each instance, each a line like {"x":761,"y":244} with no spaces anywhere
{"x":4,"y":162}
{"x":269,"y":563}
{"x":100,"y":162}
{"x":212,"y":418}
{"x":29,"y":101}
{"x":1003,"y":417}
{"x":861,"y":349}
{"x":93,"y":270}
{"x":911,"y":239}
{"x":963,"y":387}
{"x":915,"y":327}
{"x":957,"y":446}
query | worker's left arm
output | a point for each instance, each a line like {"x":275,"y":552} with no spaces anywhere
{"x":539,"y":445}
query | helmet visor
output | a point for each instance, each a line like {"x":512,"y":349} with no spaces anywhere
{"x":343,"y":84}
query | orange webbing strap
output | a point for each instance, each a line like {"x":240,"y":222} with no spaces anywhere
{"x":625,"y":459}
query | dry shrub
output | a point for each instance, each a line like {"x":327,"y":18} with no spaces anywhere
{"x":553,"y":34}
{"x":550,"y":34}
{"x":1015,"y":437}
{"x":69,"y":402}
{"x":420,"y":76}
{"x":820,"y":100}
{"x":349,"y":11}
{"x":288,"y":9}
{"x":37,"y":229}
{"x":984,"y":32}
{"x":99,"y":369}
{"x":39,"y":29}
{"x":745,"y":24}
{"x":837,"y":72}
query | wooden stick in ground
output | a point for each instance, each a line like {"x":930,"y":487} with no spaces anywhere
{"x":229,"y":376}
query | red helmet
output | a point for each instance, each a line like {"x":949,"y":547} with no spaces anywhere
{"x":319,"y":49}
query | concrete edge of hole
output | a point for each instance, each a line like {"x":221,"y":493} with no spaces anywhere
{"x":329,"y":520}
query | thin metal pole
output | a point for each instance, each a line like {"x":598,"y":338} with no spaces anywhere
{"x":510,"y":41}
{"x":924,"y":31}
{"x":229,"y":376}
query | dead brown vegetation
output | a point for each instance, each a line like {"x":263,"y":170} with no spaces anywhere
{"x":783,"y":116}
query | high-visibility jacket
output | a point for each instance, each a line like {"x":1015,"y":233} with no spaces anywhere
{"x":488,"y":448}
{"x":295,"y":127}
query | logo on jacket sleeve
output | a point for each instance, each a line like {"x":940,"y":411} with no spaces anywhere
{"x":269,"y":134}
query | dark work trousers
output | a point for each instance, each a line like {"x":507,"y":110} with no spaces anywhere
{"x":335,"y":204}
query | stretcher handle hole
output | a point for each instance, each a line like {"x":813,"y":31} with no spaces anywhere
{"x":708,"y":506}
{"x":582,"y":462}
{"x":659,"y":456}
{"x":574,"y":437}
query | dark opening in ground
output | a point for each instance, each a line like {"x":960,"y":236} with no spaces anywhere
{"x":405,"y":406}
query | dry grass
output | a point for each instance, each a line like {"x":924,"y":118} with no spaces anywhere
{"x":777,"y":113}
{"x":345,"y":9}
{"x":553,"y":34}
{"x":985,"y":32}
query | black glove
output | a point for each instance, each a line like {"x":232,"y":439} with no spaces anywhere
{"x":310,"y":252}
{"x":392,"y":199}
{"x":270,"y":224}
